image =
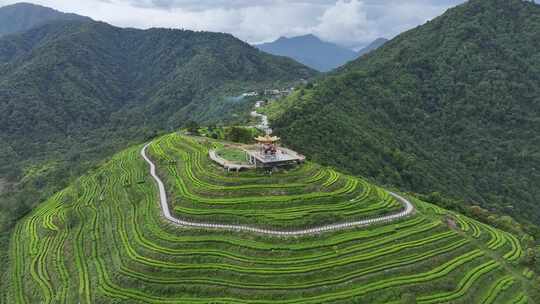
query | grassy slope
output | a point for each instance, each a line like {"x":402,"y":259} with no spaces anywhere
{"x":102,"y":240}
{"x":308,"y":195}
{"x":232,"y":154}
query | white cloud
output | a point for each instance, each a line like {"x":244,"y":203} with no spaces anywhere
{"x":347,"y":22}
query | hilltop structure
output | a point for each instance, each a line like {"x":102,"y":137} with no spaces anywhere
{"x":268,"y":154}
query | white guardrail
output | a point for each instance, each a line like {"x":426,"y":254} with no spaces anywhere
{"x":408,"y":210}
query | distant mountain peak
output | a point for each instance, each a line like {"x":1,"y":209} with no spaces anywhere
{"x":316,"y":53}
{"x":311,"y":51}
{"x":25,"y":5}
{"x":309,"y":37}
{"x":23,"y":16}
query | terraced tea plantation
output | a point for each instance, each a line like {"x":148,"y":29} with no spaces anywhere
{"x":305,"y":196}
{"x":103,"y":240}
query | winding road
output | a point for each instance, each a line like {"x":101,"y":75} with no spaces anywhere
{"x":265,"y":124}
{"x":408,"y":210}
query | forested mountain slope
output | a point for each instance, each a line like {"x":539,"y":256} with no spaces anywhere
{"x":372,"y":46}
{"x":71,"y":92}
{"x":20,"y":17}
{"x":450,"y":106}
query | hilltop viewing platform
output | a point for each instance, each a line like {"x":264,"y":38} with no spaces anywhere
{"x":265,"y":154}
{"x":282,"y":157}
{"x":268,"y":154}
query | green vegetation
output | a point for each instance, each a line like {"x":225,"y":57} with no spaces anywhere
{"x":102,"y":240}
{"x":237,"y":134}
{"x":301,"y":197}
{"x":451,"y":107}
{"x":75,"y":92}
{"x":232,"y":154}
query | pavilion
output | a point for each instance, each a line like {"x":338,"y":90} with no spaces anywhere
{"x":268,"y":154}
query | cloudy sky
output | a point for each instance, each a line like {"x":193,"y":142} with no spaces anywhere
{"x":351,"y":23}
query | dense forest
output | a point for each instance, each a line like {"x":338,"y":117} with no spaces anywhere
{"x":73,"y":92}
{"x":452,"y":106}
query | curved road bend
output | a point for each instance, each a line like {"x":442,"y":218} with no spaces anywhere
{"x":409,"y":209}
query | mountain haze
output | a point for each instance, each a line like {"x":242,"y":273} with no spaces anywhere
{"x":451,"y":106}
{"x":311,"y":51}
{"x":24,"y":16}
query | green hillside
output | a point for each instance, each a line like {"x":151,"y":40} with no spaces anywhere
{"x":451,"y":106}
{"x":103,"y":240}
{"x":74,"y":92}
{"x":277,"y":201}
